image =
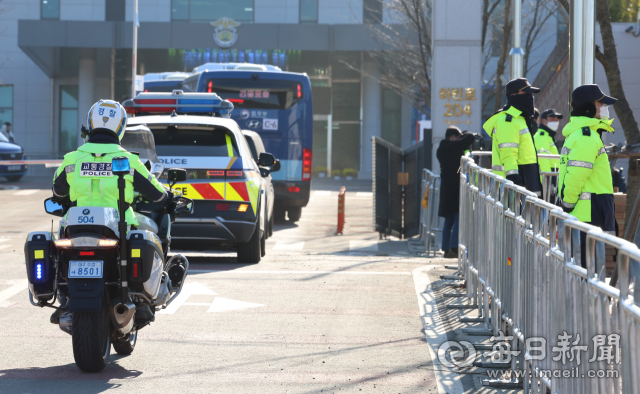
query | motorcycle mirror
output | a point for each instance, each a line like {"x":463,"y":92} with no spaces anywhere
{"x":175,"y":175}
{"x":53,"y":208}
{"x":184,"y":207}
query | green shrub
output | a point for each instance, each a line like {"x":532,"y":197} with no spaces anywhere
{"x":320,"y":169}
{"x":336,"y":173}
{"x":350,"y":172}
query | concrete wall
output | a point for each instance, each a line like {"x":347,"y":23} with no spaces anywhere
{"x":32,"y":123}
{"x":149,"y":10}
{"x":371,"y":116}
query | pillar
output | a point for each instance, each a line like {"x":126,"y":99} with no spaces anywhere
{"x":371,"y":115}
{"x":86,"y":87}
{"x":457,"y":59}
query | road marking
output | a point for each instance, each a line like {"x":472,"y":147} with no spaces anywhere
{"x":282,"y":245}
{"x":188,"y":289}
{"x":13,"y":290}
{"x":4,"y":239}
{"x":448,"y":381}
{"x":4,"y":246}
{"x":26,"y":192}
{"x":364,"y":194}
{"x":301,"y":272}
{"x":322,"y":193}
{"x":364,"y":246}
{"x":224,"y":304}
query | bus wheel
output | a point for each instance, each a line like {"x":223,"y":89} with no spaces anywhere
{"x":295,"y":213}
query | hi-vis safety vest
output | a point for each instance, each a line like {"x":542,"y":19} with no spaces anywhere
{"x":546,"y":146}
{"x":512,"y":143}
{"x":584,"y":166}
{"x":91,"y":182}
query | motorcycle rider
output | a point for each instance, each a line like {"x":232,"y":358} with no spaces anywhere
{"x":84,"y":178}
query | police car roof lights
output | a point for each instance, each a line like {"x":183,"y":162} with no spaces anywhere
{"x":180,"y":103}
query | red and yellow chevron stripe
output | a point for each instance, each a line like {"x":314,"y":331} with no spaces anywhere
{"x":230,"y":191}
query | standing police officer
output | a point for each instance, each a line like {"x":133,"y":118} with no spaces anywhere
{"x":544,"y":139}
{"x":512,"y":128}
{"x":585,"y":183}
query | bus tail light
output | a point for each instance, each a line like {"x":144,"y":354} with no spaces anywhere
{"x":306,"y":164}
{"x":294,"y":189}
{"x":210,"y":87}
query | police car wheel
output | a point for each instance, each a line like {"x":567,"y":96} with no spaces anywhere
{"x":250,"y":252}
{"x":263,"y":244}
{"x":271,"y":226}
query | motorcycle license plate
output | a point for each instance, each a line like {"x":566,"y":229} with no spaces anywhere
{"x":85,"y":269}
{"x":13,"y":168}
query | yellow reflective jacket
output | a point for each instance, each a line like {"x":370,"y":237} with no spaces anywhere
{"x":546,"y":146}
{"x":584,"y":166}
{"x":512,"y":143}
{"x":91,"y":184}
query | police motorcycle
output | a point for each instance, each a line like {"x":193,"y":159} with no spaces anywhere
{"x":109,"y":285}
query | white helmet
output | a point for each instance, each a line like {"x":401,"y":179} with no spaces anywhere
{"x":107,"y":115}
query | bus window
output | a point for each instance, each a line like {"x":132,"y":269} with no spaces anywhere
{"x":258,"y":94}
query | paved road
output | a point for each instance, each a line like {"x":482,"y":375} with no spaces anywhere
{"x":320,"y":313}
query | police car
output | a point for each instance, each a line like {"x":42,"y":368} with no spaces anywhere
{"x":193,"y":131}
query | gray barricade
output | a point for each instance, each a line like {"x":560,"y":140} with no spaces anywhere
{"x":521,"y":260}
{"x":429,"y":220}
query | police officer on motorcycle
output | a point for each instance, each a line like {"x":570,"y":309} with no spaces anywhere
{"x":84,"y":178}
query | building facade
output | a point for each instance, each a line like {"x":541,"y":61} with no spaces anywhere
{"x":57,"y":57}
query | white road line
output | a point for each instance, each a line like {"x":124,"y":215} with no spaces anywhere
{"x":448,"y":380}
{"x":4,"y":239}
{"x":322,"y":193}
{"x":26,"y":192}
{"x":4,"y":246}
{"x":13,"y":290}
{"x":364,"y":246}
{"x":188,"y":289}
{"x":224,"y":304}
{"x":301,"y":272}
{"x":281,"y":245}
{"x":364,"y":194}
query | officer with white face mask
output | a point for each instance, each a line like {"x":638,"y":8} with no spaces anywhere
{"x":544,"y":140}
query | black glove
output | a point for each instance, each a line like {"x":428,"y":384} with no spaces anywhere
{"x":515,"y":178}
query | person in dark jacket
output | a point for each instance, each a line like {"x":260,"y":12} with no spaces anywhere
{"x":451,"y":149}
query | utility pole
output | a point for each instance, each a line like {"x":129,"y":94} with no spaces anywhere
{"x":517,"y":53}
{"x":582,"y":42}
{"x":134,"y":55}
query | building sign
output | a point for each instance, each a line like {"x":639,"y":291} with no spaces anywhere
{"x":458,"y":108}
{"x":225,"y":34}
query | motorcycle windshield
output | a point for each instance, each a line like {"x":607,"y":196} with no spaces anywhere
{"x":140,"y":139}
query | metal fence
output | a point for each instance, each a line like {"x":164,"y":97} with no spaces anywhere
{"x":429,"y":220}
{"x":520,"y":257}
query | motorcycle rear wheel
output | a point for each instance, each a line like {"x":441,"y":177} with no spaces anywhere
{"x":91,"y":339}
{"x":126,"y":345}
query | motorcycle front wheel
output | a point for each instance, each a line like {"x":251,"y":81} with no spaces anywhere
{"x":91,"y":339}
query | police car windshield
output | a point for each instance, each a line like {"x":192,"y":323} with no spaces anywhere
{"x":191,"y":140}
{"x":257,"y":94}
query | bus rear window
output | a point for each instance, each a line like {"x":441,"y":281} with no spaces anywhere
{"x":258,"y":94}
{"x":174,"y":140}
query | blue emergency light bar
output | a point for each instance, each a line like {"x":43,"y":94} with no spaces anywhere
{"x":180,"y":103}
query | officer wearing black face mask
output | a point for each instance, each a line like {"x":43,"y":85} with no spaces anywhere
{"x":512,"y":129}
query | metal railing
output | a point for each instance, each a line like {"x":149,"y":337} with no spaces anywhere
{"x":521,"y":260}
{"x":429,"y":219}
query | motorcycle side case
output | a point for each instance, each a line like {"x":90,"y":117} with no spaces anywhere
{"x":145,"y":257}
{"x":41,"y":270}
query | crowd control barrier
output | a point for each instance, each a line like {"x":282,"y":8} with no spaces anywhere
{"x":429,"y":219}
{"x":567,"y":329}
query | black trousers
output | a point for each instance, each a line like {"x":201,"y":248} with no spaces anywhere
{"x":602,"y":215}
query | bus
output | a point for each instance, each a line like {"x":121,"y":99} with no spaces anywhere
{"x":163,"y":82}
{"x":278,"y":106}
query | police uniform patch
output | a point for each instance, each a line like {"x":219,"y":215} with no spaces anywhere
{"x":96,"y":170}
